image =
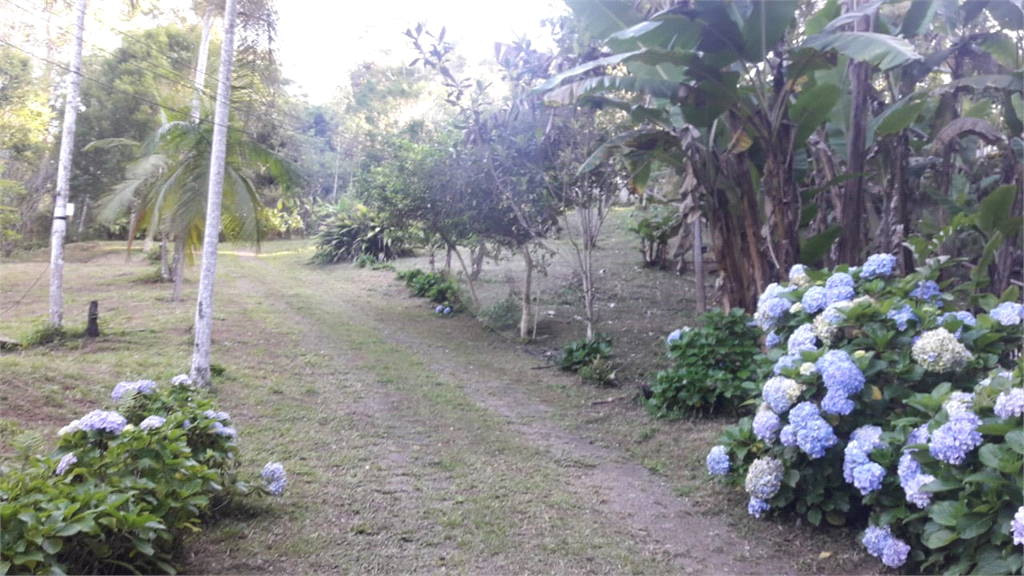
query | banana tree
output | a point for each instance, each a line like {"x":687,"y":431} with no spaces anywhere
{"x":726,"y":91}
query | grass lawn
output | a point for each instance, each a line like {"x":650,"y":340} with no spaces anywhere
{"x":414,"y":443}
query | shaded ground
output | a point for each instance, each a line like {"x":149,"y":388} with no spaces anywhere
{"x":414,"y":443}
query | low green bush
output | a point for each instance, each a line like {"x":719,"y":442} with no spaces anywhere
{"x":436,"y":286}
{"x":348,"y":234}
{"x":892,"y":407}
{"x":124,"y":487}
{"x":713,"y":367}
{"x":504,"y":314}
{"x":582,"y":353}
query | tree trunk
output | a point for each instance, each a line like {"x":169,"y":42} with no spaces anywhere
{"x":67,"y":145}
{"x":698,"y":266}
{"x":851,"y":241}
{"x":165,"y":270}
{"x":199,"y":81}
{"x":204,"y":303}
{"x":524,"y":320}
{"x":178,"y":268}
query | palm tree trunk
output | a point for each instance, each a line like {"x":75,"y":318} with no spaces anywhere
{"x":204,"y":304}
{"x":60,"y":203}
{"x":200,"y":72}
{"x":179,"y":267}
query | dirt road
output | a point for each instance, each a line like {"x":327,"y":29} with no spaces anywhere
{"x":421,"y":444}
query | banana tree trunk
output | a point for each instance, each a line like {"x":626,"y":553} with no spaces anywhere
{"x":60,"y":202}
{"x":851,"y":240}
{"x":204,"y":304}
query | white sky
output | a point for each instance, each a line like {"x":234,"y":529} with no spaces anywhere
{"x":318,"y":42}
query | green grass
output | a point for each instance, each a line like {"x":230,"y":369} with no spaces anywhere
{"x":411,"y":445}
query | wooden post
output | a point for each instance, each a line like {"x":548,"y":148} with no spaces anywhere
{"x":93,"y":329}
{"x":698,"y":265}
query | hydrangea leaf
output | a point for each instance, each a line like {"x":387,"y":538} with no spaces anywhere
{"x":938,"y":538}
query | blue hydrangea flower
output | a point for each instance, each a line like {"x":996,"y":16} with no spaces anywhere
{"x":911,"y":480}
{"x":439,"y":309}
{"x":954,"y":440}
{"x":222,"y":416}
{"x":919,"y":435}
{"x":779,"y":393}
{"x":902,"y":315}
{"x":764,"y":477}
{"x":718,"y":461}
{"x":858,"y":469}
{"x":842,"y":378}
{"x":103,"y":420}
{"x":883,"y":545}
{"x":803,"y":339}
{"x":928,"y":291}
{"x":274,"y":477}
{"x":130,"y":388}
{"x":837,"y":403}
{"x":790,"y":361}
{"x":770,"y":312}
{"x":839,"y":280}
{"x":814,"y":300}
{"x":674,"y":335}
{"x":958,"y":402}
{"x":826,"y":324}
{"x":1008,"y":313}
{"x":798,"y":275}
{"x":965,"y":318}
{"x":878,"y":265}
{"x":1017,"y":527}
{"x":1010,"y":404}
{"x":773,"y":290}
{"x":809,"y":430}
{"x":766,"y":424}
{"x":447,"y":310}
{"x":152,"y":422}
{"x":838,"y":294}
{"x":772,"y":340}
{"x":756,"y":507}
{"x":868,"y":477}
{"x":66,"y":462}
{"x":222,"y":430}
{"x":182,"y":380}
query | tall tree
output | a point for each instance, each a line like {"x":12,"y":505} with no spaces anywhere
{"x":60,"y":216}
{"x":204,"y":302}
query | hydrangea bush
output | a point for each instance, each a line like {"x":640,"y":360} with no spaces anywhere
{"x":124,"y":486}
{"x":712,"y":366}
{"x":889,"y":408}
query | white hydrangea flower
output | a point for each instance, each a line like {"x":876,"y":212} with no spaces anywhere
{"x":939,"y":351}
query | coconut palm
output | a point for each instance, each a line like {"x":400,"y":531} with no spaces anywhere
{"x":168,"y":182}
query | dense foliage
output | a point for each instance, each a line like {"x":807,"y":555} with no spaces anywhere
{"x":438,"y":287}
{"x":892,"y":407}
{"x":124,"y":488}
{"x":350,"y":234}
{"x":712,"y":367}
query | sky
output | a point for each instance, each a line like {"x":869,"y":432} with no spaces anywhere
{"x":319,"y":42}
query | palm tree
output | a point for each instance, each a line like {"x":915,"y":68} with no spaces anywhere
{"x":168,"y":181}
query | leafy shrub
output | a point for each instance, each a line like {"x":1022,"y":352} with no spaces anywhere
{"x":712,"y":367}
{"x":582,"y":353}
{"x":655,"y":231}
{"x":122,"y":489}
{"x":346,"y":235}
{"x":43,"y":333}
{"x":599,"y":372}
{"x":893,"y":409}
{"x":437,"y":286}
{"x":504,"y":314}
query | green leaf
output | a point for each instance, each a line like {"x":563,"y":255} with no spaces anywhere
{"x":827,"y":13}
{"x":815,"y":247}
{"x":812,"y":108}
{"x":917,"y":18}
{"x":766,"y":25}
{"x":814,"y":516}
{"x":946,"y":512}
{"x":938,"y":538}
{"x":52,"y":545}
{"x":603,"y":17}
{"x":1015,"y":440}
{"x":973,"y":525}
{"x":900,"y":115}
{"x":996,"y":208}
{"x":835,"y":518}
{"x":886,"y":52}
